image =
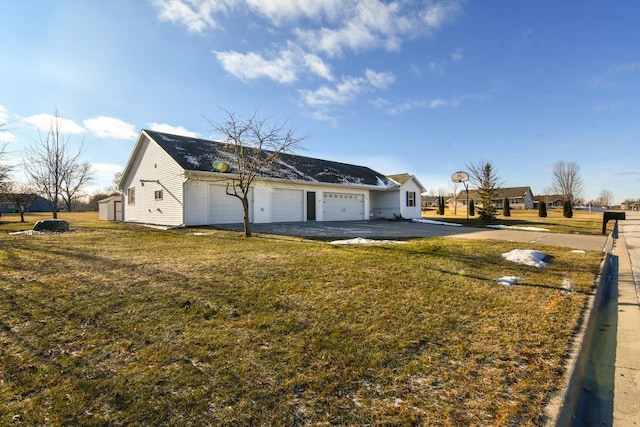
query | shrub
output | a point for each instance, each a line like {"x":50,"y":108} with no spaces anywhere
{"x":567,"y":209}
{"x":506,"y":209}
{"x":542,"y":210}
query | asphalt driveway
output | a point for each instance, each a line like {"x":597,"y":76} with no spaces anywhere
{"x":402,"y":230}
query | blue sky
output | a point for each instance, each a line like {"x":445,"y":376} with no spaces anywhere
{"x":424,"y":87}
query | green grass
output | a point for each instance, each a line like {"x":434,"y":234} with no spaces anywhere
{"x":582,"y":222}
{"x":118,"y":324}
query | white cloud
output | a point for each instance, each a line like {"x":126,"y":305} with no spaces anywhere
{"x":176,"y":130}
{"x":283,"y":67}
{"x":457,"y":55}
{"x":431,"y":104}
{"x":195,"y":15}
{"x":44,"y":122}
{"x":281,"y":10}
{"x":109,"y":127}
{"x":5,"y":134}
{"x":438,"y":15}
{"x":347,"y":90}
{"x":252,"y":65}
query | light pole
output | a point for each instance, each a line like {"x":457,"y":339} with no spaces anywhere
{"x":463,"y":177}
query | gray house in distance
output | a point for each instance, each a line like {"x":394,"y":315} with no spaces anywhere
{"x":177,"y":180}
{"x":519,"y":198}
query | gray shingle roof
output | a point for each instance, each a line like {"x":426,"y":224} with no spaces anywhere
{"x":198,"y":155}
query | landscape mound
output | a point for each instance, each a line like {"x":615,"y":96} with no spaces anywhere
{"x":52,"y":225}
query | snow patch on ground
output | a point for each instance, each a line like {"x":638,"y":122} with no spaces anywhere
{"x":516,"y":227}
{"x":361,"y":241}
{"x":430,"y":221}
{"x":508,"y":280}
{"x":567,"y":285}
{"x":527,"y":257}
{"x":578,"y":251}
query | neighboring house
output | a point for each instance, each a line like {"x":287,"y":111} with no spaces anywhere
{"x":174,"y":180}
{"x":553,"y":201}
{"x":519,"y":198}
{"x":405,"y":201}
{"x":110,"y":208}
{"x":430,"y":202}
{"x":36,"y":204}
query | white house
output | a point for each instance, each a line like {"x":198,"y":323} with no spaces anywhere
{"x":110,"y":208}
{"x":177,"y":180}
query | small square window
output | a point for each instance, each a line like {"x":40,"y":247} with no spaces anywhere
{"x":158,"y":194}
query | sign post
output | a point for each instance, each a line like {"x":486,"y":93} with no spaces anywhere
{"x":463,"y":177}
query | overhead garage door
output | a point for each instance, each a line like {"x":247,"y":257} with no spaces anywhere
{"x":342,"y":207}
{"x":287,"y":205}
{"x":225,"y":209}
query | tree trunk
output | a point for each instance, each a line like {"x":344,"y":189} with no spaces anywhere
{"x":245,"y":208}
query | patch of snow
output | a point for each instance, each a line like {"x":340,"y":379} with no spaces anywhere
{"x":429,"y":221}
{"x":578,"y":251}
{"x":516,"y":227}
{"x":567,"y":285}
{"x":527,"y":257}
{"x":191,"y":159}
{"x":508,"y":280}
{"x":361,"y":241}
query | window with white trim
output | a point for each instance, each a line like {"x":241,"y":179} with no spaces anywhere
{"x":411,"y":198}
{"x":131,"y":195}
{"x":158,"y":194}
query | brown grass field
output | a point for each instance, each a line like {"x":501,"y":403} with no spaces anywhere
{"x":119,"y":324}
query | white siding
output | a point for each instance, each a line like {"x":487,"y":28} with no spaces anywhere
{"x":385,"y":204}
{"x":152,"y":163}
{"x":410,"y":211}
{"x":196,"y":202}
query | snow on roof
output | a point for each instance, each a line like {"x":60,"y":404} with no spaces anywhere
{"x":198,"y":155}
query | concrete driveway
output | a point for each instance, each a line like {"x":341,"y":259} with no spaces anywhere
{"x":401,"y":230}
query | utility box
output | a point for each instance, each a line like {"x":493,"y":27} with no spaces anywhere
{"x":608,"y":215}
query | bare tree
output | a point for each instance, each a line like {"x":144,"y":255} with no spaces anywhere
{"x":606,"y":198}
{"x":52,"y":168}
{"x":567,"y":180}
{"x":5,"y":168}
{"x":76,"y":176}
{"x":486,"y":180}
{"x":254,"y":144}
{"x":21,"y":196}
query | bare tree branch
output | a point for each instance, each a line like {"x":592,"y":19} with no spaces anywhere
{"x":255,"y":145}
{"x":567,"y":180}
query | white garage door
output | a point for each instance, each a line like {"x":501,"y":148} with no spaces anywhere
{"x":287,"y":205}
{"x":342,"y":207}
{"x":225,"y":209}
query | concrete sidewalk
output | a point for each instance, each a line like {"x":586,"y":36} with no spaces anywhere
{"x":626,"y":392}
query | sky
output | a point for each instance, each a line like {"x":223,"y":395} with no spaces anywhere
{"x":408,"y":86}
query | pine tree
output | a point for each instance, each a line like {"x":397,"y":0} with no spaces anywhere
{"x":506,"y":209}
{"x":542,"y":210}
{"x":441,"y":205}
{"x":567,"y":209}
{"x":472,"y":208}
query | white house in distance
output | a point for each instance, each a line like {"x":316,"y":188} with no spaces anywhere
{"x":172,"y":180}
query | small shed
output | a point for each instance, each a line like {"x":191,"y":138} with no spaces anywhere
{"x":110,"y":209}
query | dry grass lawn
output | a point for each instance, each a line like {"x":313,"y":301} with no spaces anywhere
{"x":583,"y":222}
{"x":118,"y":324}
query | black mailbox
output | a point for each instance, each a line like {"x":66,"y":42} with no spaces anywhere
{"x":610,"y":215}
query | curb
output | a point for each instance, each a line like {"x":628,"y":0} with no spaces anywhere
{"x":562,"y":407}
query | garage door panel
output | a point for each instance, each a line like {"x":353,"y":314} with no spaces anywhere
{"x":224,"y":209}
{"x":343,"y":207}
{"x":287,"y":205}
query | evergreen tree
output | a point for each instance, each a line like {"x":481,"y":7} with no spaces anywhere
{"x":567,"y":209}
{"x":506,"y":209}
{"x":483,"y":175}
{"x":472,"y":208}
{"x":542,"y":210}
{"x":441,"y":205}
